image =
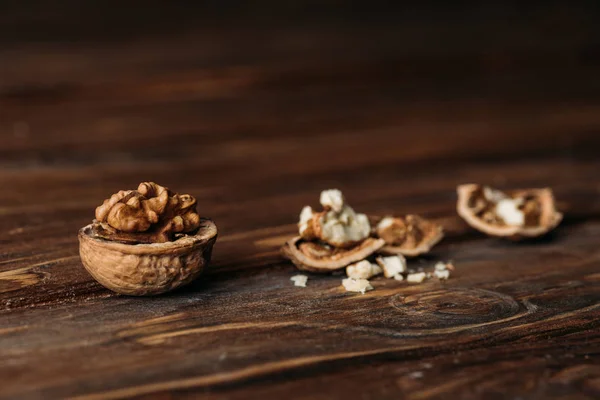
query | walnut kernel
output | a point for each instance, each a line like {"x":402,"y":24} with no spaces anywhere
{"x":363,"y":270}
{"x":356,"y":285}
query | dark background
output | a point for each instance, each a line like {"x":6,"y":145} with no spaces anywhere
{"x":106,"y":82}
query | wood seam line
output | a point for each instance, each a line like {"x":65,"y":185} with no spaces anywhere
{"x":237,"y":375}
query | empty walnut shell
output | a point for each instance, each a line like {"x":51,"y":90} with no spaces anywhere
{"x":410,"y":236}
{"x":316,"y":257}
{"x":147,"y":269}
{"x":540,"y":220}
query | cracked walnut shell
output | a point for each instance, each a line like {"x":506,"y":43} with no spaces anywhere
{"x":147,"y":241}
{"x":409,"y":236}
{"x":516,"y":214}
{"x":319,"y":257}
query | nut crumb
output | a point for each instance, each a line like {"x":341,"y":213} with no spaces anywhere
{"x":392,"y":265}
{"x":299,"y":280}
{"x":363,"y":270}
{"x":356,"y":285}
{"x":416,"y":277}
{"x":416,"y":375}
{"x":442,"y":270}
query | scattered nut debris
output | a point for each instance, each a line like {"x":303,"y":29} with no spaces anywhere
{"x":299,"y":280}
{"x":363,"y":270}
{"x":392,"y":266}
{"x":338,"y":237}
{"x":147,"y":241}
{"x":516,"y":214}
{"x":356,"y":285}
{"x":410,"y":236}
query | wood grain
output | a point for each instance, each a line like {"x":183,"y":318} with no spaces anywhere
{"x":254,"y":116}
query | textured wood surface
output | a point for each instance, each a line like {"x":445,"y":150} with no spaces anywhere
{"x":254,"y":117}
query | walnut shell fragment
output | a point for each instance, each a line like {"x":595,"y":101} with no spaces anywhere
{"x":319,"y":257}
{"x":517,"y":214}
{"x":409,"y":236}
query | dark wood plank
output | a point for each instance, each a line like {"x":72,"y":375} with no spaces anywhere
{"x":254,"y":115}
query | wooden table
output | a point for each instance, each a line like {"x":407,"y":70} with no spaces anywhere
{"x":255,"y":118}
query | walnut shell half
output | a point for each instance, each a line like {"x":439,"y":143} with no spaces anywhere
{"x":536,"y":209}
{"x":317,"y":257}
{"x":410,"y":236}
{"x":147,"y":269}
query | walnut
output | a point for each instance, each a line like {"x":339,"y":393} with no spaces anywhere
{"x":393,"y":266}
{"x":410,"y":236}
{"x":147,"y":241}
{"x":150,"y":214}
{"x":516,"y":214}
{"x":337,"y":225}
{"x":331,"y":239}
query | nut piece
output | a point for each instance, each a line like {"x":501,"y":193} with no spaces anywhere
{"x":150,"y":214}
{"x":356,"y":285}
{"x":410,"y":236}
{"x":147,"y":241}
{"x":363,"y":270}
{"x":442,"y":270}
{"x":318,"y":257}
{"x":392,"y":266}
{"x":416,"y":277}
{"x":299,"y":280}
{"x":517,"y":214}
{"x":332,"y":199}
{"x":337,"y":225}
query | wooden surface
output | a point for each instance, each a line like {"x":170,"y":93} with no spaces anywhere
{"x":254,"y":118}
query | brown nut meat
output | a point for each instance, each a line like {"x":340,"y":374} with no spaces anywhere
{"x":150,"y":214}
{"x":516,"y":214}
{"x":147,"y":241}
{"x":319,"y":257}
{"x":410,"y":236}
